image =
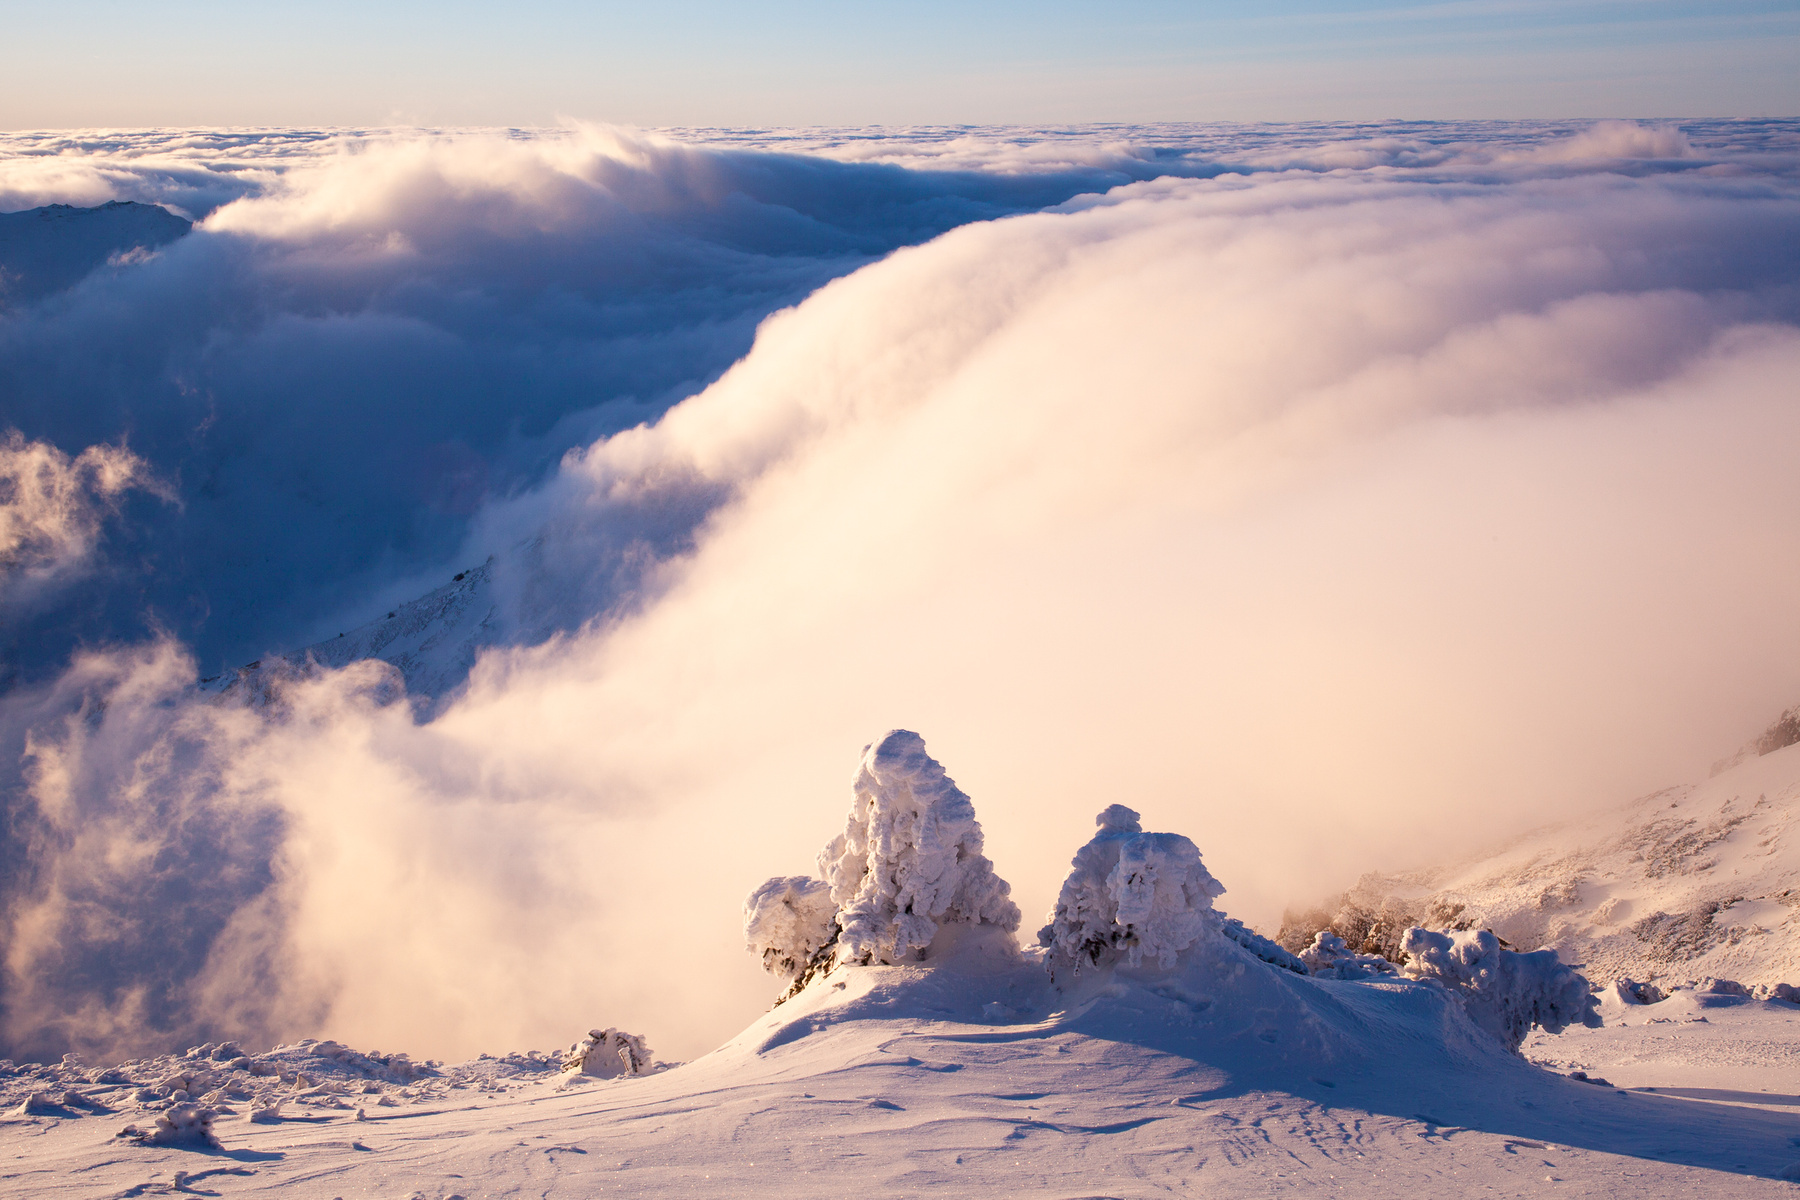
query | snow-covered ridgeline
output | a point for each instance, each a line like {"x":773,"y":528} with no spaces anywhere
{"x":910,"y":866}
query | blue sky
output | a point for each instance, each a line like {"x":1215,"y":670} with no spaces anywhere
{"x":530,"y":62}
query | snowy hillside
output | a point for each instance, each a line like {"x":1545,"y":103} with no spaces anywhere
{"x":1162,"y":1053}
{"x":432,"y":641}
{"x":45,"y":250}
{"x":1692,"y":882}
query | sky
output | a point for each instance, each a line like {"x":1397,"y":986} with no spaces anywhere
{"x":107,"y":63}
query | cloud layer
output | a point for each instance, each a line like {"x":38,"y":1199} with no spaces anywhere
{"x":1333,"y":518}
{"x":368,"y":338}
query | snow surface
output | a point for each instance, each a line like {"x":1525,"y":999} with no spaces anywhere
{"x":969,"y":1068}
{"x":971,"y":1078}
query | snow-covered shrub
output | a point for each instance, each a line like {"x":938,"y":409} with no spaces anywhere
{"x":787,"y":921}
{"x":608,"y":1054}
{"x":1331,"y":957}
{"x":1503,"y":992}
{"x":1630,"y":991}
{"x":910,"y":858}
{"x":1130,"y":895}
{"x":1271,"y":952}
{"x":182,"y":1125}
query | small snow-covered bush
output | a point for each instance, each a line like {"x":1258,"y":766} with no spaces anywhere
{"x":1330,"y":956}
{"x":1630,"y":991}
{"x":787,"y":921}
{"x":910,"y":858}
{"x":1503,"y":992}
{"x":608,"y":1054}
{"x":1130,"y":895}
{"x":182,"y":1125}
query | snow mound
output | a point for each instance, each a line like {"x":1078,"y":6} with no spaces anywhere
{"x":1130,"y":896}
{"x":788,"y":921}
{"x":609,"y":1054}
{"x":1502,"y":992}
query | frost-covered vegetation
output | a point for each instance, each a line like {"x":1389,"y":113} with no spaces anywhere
{"x":1329,"y":955}
{"x":609,"y":1054}
{"x":908,"y":863}
{"x":787,"y":921}
{"x":1131,"y":896}
{"x":1503,"y":992}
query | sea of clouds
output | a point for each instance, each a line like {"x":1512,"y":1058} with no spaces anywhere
{"x":1338,"y":497}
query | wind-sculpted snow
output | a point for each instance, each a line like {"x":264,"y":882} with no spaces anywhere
{"x":1358,"y":494}
{"x":1328,"y":955}
{"x":1687,"y":883}
{"x":609,"y":1054}
{"x":1132,"y":896}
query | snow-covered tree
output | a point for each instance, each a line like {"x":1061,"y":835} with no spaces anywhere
{"x":910,"y":858}
{"x":787,"y":921}
{"x":1130,"y":895}
{"x":1504,"y":992}
{"x":908,"y":863}
{"x":607,"y":1054}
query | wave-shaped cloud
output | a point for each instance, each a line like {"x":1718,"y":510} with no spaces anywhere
{"x":1339,"y":517}
{"x":344,"y":362}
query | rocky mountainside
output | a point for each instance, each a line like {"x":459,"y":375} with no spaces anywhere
{"x":1696,"y":881}
{"x":432,"y":641}
{"x":49,"y":249}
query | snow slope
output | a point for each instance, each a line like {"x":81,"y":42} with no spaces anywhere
{"x":959,"y":1066}
{"x":1692,"y":882}
{"x":1234,"y":1078}
{"x":432,"y":641}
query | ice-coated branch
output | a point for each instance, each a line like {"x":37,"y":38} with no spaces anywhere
{"x":1503,"y":992}
{"x":1130,"y":895}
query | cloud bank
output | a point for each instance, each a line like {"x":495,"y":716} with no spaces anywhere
{"x":1340,"y":517}
{"x":368,"y":338}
